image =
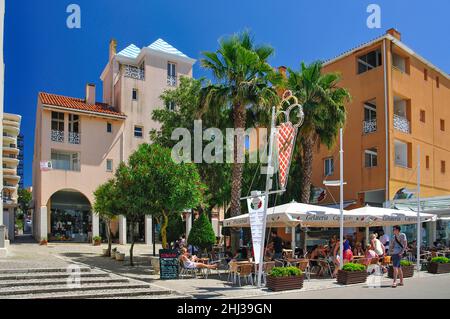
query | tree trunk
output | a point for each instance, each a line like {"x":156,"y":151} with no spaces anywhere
{"x":164,"y":230}
{"x":236,"y":175}
{"x":132,"y":242}
{"x":109,"y":234}
{"x":307,"y":160}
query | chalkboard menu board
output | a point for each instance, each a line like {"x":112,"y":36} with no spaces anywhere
{"x":168,"y":264}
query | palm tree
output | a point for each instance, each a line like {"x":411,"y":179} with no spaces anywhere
{"x":243,"y":78}
{"x":323,"y":106}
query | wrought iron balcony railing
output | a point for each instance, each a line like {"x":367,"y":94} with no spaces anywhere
{"x":401,"y":123}
{"x":134,"y":72}
{"x":369,"y":126}
{"x":171,"y":80}
{"x":57,"y":136}
{"x":74,"y":138}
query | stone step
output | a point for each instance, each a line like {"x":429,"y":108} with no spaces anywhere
{"x":24,"y":290}
{"x":153,"y":293}
{"x":39,"y":270}
{"x":46,"y":282}
{"x":48,"y":275}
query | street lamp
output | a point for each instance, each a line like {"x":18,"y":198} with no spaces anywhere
{"x":341,"y":184}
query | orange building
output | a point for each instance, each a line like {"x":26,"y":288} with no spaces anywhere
{"x":400,"y":103}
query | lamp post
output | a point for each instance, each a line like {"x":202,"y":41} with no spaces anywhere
{"x":341,"y":184}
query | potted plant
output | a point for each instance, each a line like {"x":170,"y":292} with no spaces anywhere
{"x":407,"y":269}
{"x":439,"y":265}
{"x":97,"y":240}
{"x":43,"y":242}
{"x":285,"y":278}
{"x":352,"y":273}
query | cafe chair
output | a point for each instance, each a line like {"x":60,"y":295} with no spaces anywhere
{"x":245,"y":271}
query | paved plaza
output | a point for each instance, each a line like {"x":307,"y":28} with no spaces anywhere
{"x":28,"y":255}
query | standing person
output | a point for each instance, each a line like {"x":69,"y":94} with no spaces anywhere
{"x":397,"y":247}
{"x":277,"y":245}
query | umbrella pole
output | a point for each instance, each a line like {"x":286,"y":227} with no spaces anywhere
{"x":341,"y":202}
{"x":419,"y":237}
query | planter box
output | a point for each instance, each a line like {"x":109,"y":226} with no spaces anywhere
{"x":105,"y":252}
{"x":97,"y":243}
{"x":437,"y":268}
{"x":154,"y":262}
{"x":351,"y":277}
{"x":113,"y":254}
{"x":408,"y":271}
{"x":120,"y":256}
{"x":284,"y":283}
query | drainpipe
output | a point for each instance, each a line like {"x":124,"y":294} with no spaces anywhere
{"x":386,"y":119}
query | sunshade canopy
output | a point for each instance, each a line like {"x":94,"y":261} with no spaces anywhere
{"x":305,"y":215}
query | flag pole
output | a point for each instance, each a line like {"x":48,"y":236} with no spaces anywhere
{"x":270,"y":171}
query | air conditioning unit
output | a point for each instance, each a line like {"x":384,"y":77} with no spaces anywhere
{"x":46,"y":166}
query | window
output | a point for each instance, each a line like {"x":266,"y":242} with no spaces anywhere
{"x":170,"y":106}
{"x":369,"y":61}
{"x":138,"y":131}
{"x":443,"y":167}
{"x":437,"y":82}
{"x":427,"y":162}
{"x":109,"y":165}
{"x":329,"y":166}
{"x":74,"y":129}
{"x":370,"y":117}
{"x":422,"y":116}
{"x":442,"y":125}
{"x":58,"y":121}
{"x":401,"y":153}
{"x":399,"y":63}
{"x":109,"y":127}
{"x":171,"y":74}
{"x":371,"y":157}
{"x":67,"y":161}
{"x":135,"y":94}
{"x":425,"y":74}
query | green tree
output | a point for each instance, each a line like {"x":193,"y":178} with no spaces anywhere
{"x":24,"y":200}
{"x":323,"y":105}
{"x":175,"y":228}
{"x":166,"y":187}
{"x":202,"y":234}
{"x":105,"y":207}
{"x":243,"y":82}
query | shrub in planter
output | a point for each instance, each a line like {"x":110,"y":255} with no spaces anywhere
{"x":407,"y":268}
{"x":43,"y":242}
{"x":285,"y":278}
{"x":352,"y":273}
{"x":97,"y":240}
{"x":439,"y":265}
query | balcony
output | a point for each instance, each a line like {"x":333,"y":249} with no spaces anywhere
{"x":369,"y":126}
{"x":401,"y":124}
{"x":57,"y":136}
{"x":74,"y":138}
{"x":134,"y":72}
{"x":171,"y":80}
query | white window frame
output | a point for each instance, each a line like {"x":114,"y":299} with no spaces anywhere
{"x":107,"y":162}
{"x":368,"y":106}
{"x":373,"y":152}
{"x":327,"y":166}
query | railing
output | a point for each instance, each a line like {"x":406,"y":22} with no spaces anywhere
{"x":369,"y":126}
{"x":171,"y":80}
{"x":134,"y":72}
{"x":57,"y":136}
{"x":401,"y":123}
{"x":74,"y":138}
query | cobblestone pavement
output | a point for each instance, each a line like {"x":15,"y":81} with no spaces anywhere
{"x":28,"y":255}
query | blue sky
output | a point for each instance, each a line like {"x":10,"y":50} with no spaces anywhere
{"x":42,"y":54}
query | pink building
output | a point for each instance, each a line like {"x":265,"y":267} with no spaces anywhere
{"x":79,"y":142}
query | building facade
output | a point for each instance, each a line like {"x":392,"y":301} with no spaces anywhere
{"x":11,"y":179}
{"x":400,"y":104}
{"x":79,"y":142}
{"x":20,"y":156}
{"x":2,"y":80}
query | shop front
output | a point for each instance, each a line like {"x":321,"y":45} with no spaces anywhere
{"x":70,"y":217}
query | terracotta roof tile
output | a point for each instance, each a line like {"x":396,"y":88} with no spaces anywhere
{"x":78,"y":104}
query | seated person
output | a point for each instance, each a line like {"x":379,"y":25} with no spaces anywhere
{"x":370,"y":253}
{"x":358,"y":250}
{"x":191,"y":262}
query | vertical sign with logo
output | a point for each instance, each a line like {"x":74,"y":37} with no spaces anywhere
{"x":256,"y":216}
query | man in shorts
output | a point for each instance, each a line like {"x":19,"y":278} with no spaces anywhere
{"x":397,"y":248}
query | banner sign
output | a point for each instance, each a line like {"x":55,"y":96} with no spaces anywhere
{"x":285,"y":144}
{"x":256,"y":216}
